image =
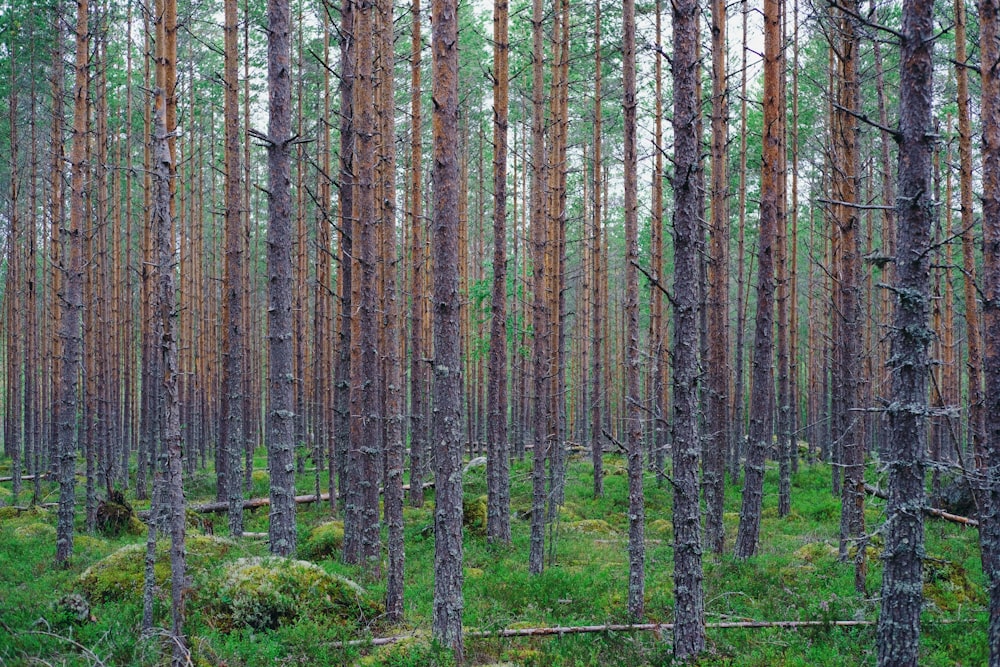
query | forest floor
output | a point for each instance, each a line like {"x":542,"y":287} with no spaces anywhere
{"x":795,"y":577}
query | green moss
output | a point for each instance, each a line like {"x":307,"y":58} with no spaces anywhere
{"x":417,"y":650}
{"x":814,"y":551}
{"x":599,"y":526}
{"x":120,"y":576}
{"x":661,"y":528}
{"x":263,"y":593}
{"x":949,"y":586}
{"x":474,"y":515}
{"x":5,"y":495}
{"x":27,"y":514}
{"x":35,"y":531}
{"x":324,"y":541}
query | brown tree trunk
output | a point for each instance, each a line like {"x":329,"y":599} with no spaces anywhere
{"x":762,"y":389}
{"x":448,"y":602}
{"x":902,"y":595}
{"x":498,"y":449}
{"x":717,"y":439}
{"x":419,"y":384}
{"x":846,"y":197}
{"x":596,"y":331}
{"x":540,"y":314}
{"x":689,"y":607}
{"x":972,"y":325}
{"x":392,"y":372}
{"x":362,"y":543}
{"x":281,"y":381}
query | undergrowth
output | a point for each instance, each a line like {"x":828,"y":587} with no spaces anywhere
{"x":795,"y":576}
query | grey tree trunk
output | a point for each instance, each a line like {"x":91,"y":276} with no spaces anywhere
{"x":281,"y":383}
{"x":989,"y":16}
{"x":633,"y":415}
{"x":166,"y":328}
{"x":232,"y":407}
{"x":902,"y":590}
{"x":70,"y":329}
{"x":689,"y":601}
{"x":447,"y":420}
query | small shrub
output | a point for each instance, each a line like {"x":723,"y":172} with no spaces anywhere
{"x":324,"y":541}
{"x":262,"y":593}
{"x":474,"y":515}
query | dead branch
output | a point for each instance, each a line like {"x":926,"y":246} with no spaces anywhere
{"x":930,"y":511}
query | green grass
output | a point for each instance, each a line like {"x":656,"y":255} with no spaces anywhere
{"x":796,"y":576}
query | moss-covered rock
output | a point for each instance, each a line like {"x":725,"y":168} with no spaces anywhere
{"x":120,"y":576}
{"x":28,"y":514}
{"x":324,"y":541}
{"x":474,"y":514}
{"x":35,"y":531}
{"x":261,"y":593}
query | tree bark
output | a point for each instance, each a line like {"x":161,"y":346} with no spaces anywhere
{"x":762,"y":389}
{"x":689,"y":605}
{"x":448,"y":603}
{"x":989,"y":17}
{"x":636,"y":506}
{"x":717,"y":421}
{"x":498,"y":448}
{"x":72,"y":299}
{"x":902,"y":593}
{"x":233,"y":341}
{"x":597,"y":323}
{"x":281,"y":382}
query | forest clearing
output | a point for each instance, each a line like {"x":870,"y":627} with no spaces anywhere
{"x":545,"y":332}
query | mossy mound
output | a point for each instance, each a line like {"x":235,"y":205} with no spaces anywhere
{"x":28,"y":514}
{"x":120,"y":576}
{"x":474,"y":515}
{"x":948,"y":585}
{"x":35,"y":531}
{"x":596,"y":526}
{"x":417,"y":649}
{"x":262,"y":593}
{"x":5,"y":495}
{"x":813,"y":551}
{"x":324,"y":541}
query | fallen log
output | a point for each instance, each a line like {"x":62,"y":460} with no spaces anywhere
{"x":611,"y":627}
{"x":930,"y":511}
{"x":254,"y":503}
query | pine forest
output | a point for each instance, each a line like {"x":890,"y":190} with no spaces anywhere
{"x":531,"y":332}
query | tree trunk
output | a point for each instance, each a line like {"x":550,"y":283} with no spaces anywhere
{"x":597,"y":323}
{"x":989,"y":16}
{"x":637,"y":512}
{"x":498,"y":448}
{"x":281,"y":383}
{"x":233,"y":341}
{"x":689,"y":606}
{"x":448,"y":602}
{"x":762,"y":389}
{"x":72,"y":300}
{"x":540,"y":314}
{"x":392,"y":373}
{"x":902,"y":594}
{"x":717,"y":441}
